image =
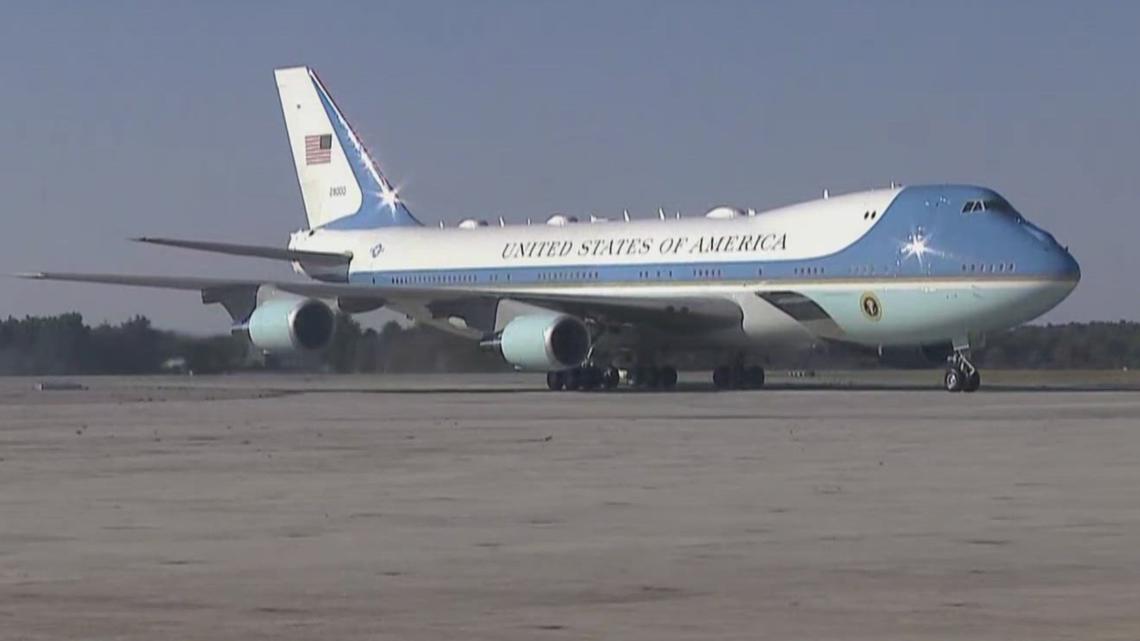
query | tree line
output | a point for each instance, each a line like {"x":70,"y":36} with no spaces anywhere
{"x":65,"y":345}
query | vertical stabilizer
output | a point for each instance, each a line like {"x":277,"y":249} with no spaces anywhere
{"x":340,"y":182}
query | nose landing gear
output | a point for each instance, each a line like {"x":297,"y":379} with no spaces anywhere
{"x":961,"y":374}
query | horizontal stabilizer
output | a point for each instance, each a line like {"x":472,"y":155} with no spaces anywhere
{"x":257,"y":251}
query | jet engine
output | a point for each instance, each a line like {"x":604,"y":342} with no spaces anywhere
{"x":291,"y":325}
{"x":545,"y":342}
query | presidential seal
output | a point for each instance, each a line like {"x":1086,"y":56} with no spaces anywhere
{"x":870,"y":306}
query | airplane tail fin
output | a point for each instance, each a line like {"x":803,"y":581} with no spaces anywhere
{"x":340,"y":182}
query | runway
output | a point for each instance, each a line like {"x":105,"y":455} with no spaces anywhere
{"x":470,"y":507}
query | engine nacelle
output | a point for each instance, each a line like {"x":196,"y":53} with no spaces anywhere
{"x":291,"y":325}
{"x":545,"y":342}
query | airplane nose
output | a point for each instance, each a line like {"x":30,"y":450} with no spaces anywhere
{"x":1071,"y":269}
{"x":1056,"y":262}
{"x":1061,"y":267}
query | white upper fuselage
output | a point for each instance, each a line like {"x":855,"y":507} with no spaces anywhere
{"x":801,"y":231}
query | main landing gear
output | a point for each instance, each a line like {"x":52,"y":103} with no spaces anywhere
{"x":738,"y":377}
{"x":650,"y":377}
{"x":961,"y":374}
{"x":733,"y":376}
{"x":592,"y":377}
{"x":583,"y":378}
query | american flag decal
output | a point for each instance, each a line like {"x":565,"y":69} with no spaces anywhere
{"x":318,"y":149}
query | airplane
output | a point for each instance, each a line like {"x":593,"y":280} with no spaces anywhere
{"x":932,"y":268}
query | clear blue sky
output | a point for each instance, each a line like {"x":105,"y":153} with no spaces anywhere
{"x":121,"y":119}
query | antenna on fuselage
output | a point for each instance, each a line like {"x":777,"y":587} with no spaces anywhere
{"x":502,"y":223}
{"x":826,"y":194}
{"x":661,"y":213}
{"x":625,"y":215}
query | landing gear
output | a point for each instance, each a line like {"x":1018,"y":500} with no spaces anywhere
{"x":755,"y":377}
{"x":738,"y":377}
{"x":611,"y":377}
{"x":654,"y":377}
{"x":961,"y":374}
{"x":722,"y":377}
{"x":645,"y":377}
{"x":556,"y":381}
{"x":591,"y":377}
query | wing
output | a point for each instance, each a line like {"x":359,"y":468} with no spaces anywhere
{"x":325,"y":266}
{"x":239,"y":297}
{"x":319,"y":290}
{"x":468,"y":312}
{"x":331,"y":259}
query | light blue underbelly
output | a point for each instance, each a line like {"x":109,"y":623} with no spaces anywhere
{"x":919,"y":313}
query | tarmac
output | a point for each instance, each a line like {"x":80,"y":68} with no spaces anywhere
{"x":477,"y":507}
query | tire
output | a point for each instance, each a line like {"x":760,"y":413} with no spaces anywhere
{"x":953,"y":380}
{"x":574,"y":379}
{"x":754,"y":377}
{"x":739,"y":377}
{"x":722,"y":377}
{"x":668,"y":377}
{"x":611,"y":378}
{"x":591,"y":378}
{"x":973,"y":382}
{"x":652,"y":377}
{"x":555,"y":381}
{"x":639,"y":375}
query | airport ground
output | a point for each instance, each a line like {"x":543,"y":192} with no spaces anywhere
{"x":844,"y":506}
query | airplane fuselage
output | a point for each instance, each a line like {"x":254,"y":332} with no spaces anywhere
{"x":882,"y":267}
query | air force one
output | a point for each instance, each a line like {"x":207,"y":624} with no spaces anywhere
{"x":600,"y":303}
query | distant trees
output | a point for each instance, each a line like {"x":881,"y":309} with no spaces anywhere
{"x":65,"y":345}
{"x":1096,"y":345}
{"x":412,"y":349}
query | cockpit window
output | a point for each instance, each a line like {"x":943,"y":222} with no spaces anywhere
{"x":1000,"y":205}
{"x":997,"y":205}
{"x":972,"y":206}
